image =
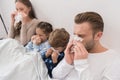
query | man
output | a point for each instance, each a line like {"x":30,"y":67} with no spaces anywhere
{"x":88,"y":59}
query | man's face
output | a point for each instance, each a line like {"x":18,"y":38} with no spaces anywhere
{"x":84,"y":31}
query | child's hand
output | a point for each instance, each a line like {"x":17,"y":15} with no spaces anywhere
{"x":33,"y":38}
{"x":36,"y":39}
{"x":55,"y":56}
{"x":49,"y":52}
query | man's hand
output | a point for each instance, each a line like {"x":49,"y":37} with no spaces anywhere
{"x":69,"y":55}
{"x":79,"y":51}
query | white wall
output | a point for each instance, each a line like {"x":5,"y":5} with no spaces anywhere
{"x":6,"y":7}
{"x":2,"y":30}
{"x":61,"y":14}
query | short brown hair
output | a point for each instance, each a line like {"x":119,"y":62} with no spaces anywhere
{"x":93,"y":18}
{"x":46,"y":27}
{"x":59,"y":38}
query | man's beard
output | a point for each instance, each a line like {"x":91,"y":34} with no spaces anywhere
{"x":89,"y":46}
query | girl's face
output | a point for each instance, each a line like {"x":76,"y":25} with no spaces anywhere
{"x":41,"y":34}
{"x":21,"y":8}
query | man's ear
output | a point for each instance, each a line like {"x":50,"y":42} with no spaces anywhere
{"x":98,"y":35}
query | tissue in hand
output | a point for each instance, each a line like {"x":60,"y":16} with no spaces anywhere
{"x":18,"y":17}
{"x":77,"y":38}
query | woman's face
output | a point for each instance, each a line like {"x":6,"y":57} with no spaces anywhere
{"x":20,"y":7}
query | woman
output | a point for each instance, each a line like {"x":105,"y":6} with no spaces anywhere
{"x":24,"y":28}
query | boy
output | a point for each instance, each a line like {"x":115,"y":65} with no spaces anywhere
{"x":58,"y":40}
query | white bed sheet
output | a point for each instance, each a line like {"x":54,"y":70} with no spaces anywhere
{"x":17,"y":64}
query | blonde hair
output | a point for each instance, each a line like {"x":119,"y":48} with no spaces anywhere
{"x":59,"y":38}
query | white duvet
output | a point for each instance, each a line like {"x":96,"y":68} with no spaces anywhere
{"x":17,"y":64}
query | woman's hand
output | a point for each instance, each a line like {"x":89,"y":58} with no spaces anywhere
{"x":24,"y":17}
{"x":13,"y":14}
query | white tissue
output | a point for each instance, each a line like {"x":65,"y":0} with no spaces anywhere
{"x":77,"y":38}
{"x":18,"y":18}
{"x":55,"y":50}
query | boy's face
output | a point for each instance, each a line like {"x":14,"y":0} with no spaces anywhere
{"x":41,"y":34}
{"x":59,"y":49}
